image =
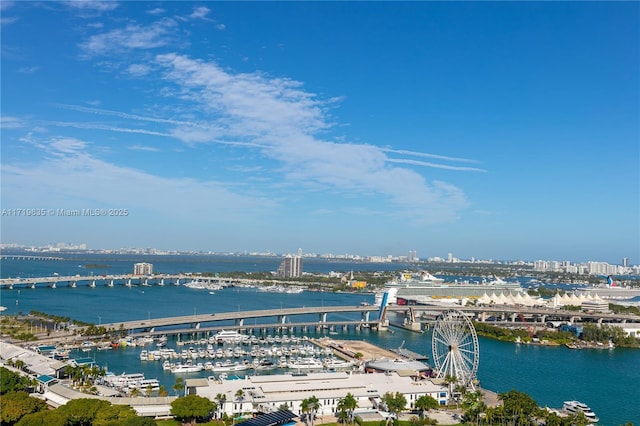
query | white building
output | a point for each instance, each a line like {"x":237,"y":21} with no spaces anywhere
{"x":143,"y":269}
{"x":291,"y":266}
{"x":269,"y":392}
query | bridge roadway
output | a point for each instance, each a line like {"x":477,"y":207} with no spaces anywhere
{"x":110,"y":280}
{"x":423,"y":313}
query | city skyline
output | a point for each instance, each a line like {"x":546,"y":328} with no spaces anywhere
{"x":489,"y":130}
{"x":410,"y":257}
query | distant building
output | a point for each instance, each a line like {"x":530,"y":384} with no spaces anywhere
{"x":143,"y":269}
{"x":290,"y":267}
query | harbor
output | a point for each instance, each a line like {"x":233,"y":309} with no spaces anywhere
{"x":561,"y":374}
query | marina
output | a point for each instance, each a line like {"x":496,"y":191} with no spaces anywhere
{"x":560,"y":375}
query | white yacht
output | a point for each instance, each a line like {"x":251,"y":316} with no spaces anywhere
{"x":574,"y":407}
{"x":187,"y":368}
{"x":228,"y":336}
{"x":144,"y":385}
{"x":306,"y":363}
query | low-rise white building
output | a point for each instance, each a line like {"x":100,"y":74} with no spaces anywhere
{"x":270,"y":392}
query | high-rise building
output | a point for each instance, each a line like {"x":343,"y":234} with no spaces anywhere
{"x":291,"y":266}
{"x":413,"y":256}
{"x":625,"y":262}
{"x":143,"y":269}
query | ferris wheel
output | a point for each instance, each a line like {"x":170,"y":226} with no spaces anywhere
{"x":455,"y":347}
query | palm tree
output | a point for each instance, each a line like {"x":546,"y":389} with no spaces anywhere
{"x":310,"y":407}
{"x":162,"y":391}
{"x":134,"y":393}
{"x":240,"y":398}
{"x":425,"y":403}
{"x":348,"y":404}
{"x":314,"y":406}
{"x":221,"y":399}
{"x":178,"y":385}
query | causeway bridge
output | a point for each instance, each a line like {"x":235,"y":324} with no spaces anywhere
{"x":117,"y":279}
{"x":413,"y":318}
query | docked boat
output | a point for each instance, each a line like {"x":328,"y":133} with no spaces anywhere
{"x":145,"y":385}
{"x":123,"y":380}
{"x":333,"y":364}
{"x":228,"y":336}
{"x":187,"y":368}
{"x":229,"y":366}
{"x":574,"y":407}
{"x":306,"y":363}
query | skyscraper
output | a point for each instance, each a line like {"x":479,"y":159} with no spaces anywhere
{"x":291,"y":266}
{"x":143,"y":269}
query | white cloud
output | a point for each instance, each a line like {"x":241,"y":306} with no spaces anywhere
{"x":434,"y":165}
{"x":100,"y":6}
{"x":156,"y":11}
{"x":138,"y":70}
{"x":280,"y":116}
{"x":88,"y":179}
{"x":131,"y":37}
{"x":28,"y":70}
{"x":200,"y":12}
{"x":7,"y":122}
{"x":144,"y":148}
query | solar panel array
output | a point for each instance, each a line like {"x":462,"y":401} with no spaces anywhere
{"x":270,"y":419}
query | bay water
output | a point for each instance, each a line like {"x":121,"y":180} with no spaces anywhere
{"x":607,"y":380}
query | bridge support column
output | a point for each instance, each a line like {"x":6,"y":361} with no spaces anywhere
{"x":110,"y":283}
{"x":513,"y":317}
{"x":161,"y":283}
{"x":483,"y":316}
{"x":93,"y":284}
{"x":53,"y":285}
{"x":129,"y":282}
{"x":73,"y":285}
{"x":240,"y":322}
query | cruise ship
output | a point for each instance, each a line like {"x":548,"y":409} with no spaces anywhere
{"x":411,"y":288}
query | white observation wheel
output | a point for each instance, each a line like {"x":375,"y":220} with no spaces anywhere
{"x":455,"y":347}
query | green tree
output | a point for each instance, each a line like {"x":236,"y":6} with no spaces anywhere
{"x":162,"y":391}
{"x":395,"y":403}
{"x":518,"y":407}
{"x":221,"y":399}
{"x":16,"y":404}
{"x":348,"y":404}
{"x":425,"y":403}
{"x":178,"y":386}
{"x":81,"y":412}
{"x":310,"y":407}
{"x":113,"y":414}
{"x":12,"y":381}
{"x":191,"y":408}
{"x":44,"y":418}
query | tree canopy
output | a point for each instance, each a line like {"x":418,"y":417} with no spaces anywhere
{"x":192,"y":408}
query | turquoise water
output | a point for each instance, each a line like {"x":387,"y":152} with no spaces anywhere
{"x":607,"y":380}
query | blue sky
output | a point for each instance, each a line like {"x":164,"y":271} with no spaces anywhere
{"x":506,"y":130}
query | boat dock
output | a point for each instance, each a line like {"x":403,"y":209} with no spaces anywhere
{"x":347,"y":349}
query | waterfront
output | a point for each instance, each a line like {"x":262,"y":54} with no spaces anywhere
{"x":605,"y":379}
